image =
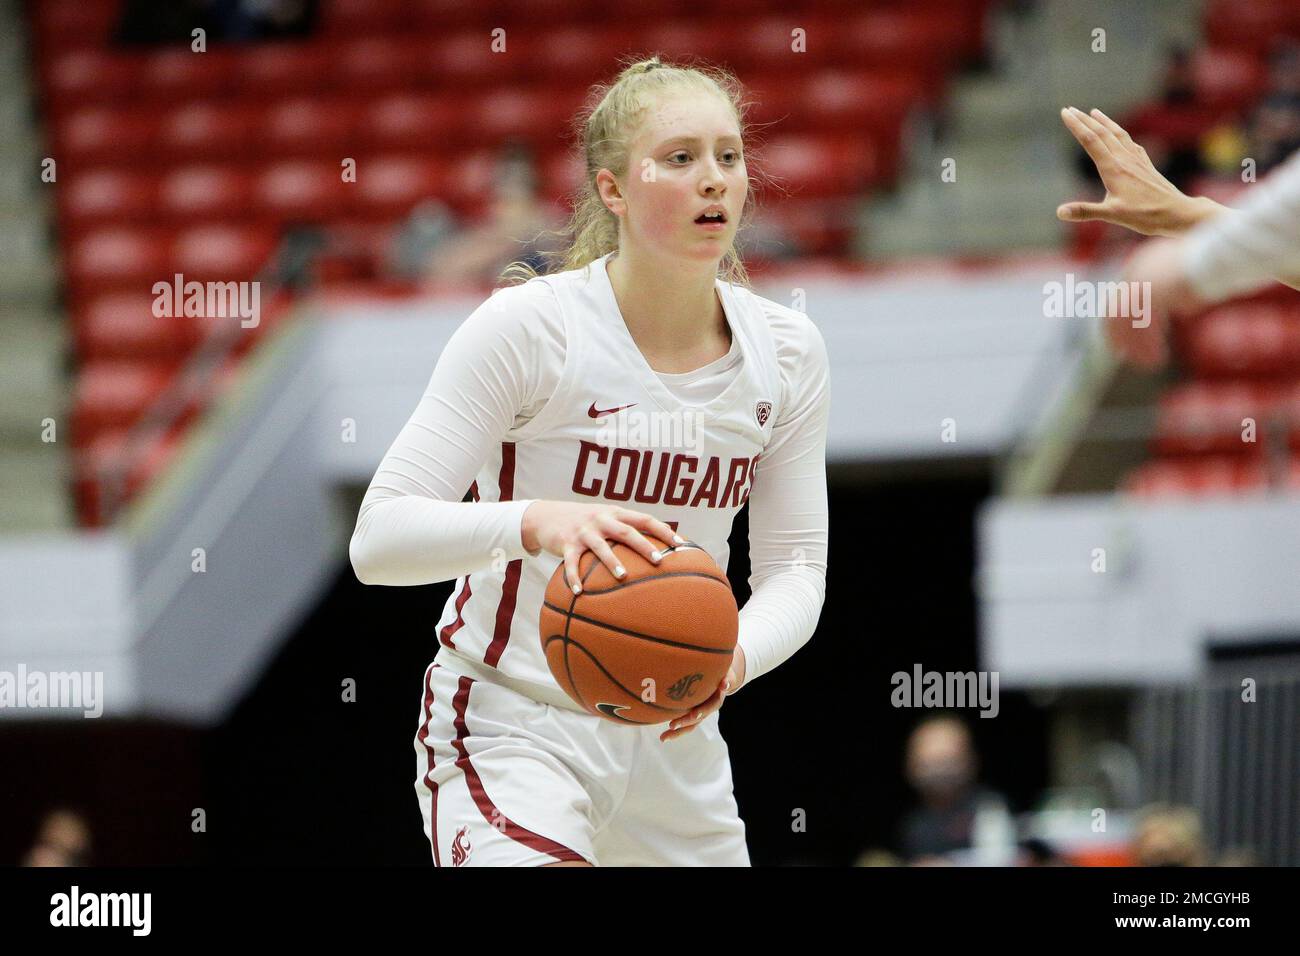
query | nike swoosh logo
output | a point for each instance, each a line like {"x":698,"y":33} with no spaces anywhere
{"x":595,"y":412}
{"x":612,"y":710}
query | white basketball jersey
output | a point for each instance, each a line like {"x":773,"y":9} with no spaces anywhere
{"x":612,"y":433}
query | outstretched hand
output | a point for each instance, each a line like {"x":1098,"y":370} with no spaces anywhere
{"x":1138,"y":197}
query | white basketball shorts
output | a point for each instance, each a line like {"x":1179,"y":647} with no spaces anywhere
{"x":506,"y":780}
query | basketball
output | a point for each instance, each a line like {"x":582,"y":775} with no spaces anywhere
{"x":645,"y":649}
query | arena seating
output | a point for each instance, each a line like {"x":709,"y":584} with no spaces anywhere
{"x":172,"y":161}
{"x":1242,"y":359}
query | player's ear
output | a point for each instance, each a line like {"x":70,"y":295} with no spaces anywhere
{"x":611,"y":194}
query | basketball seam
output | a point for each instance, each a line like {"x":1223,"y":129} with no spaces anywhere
{"x":656,"y":577}
{"x":613,"y":680}
{"x":622,"y":630}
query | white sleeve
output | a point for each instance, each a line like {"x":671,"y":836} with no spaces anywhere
{"x":1243,"y":250}
{"x":788,"y":519}
{"x":413,"y":526}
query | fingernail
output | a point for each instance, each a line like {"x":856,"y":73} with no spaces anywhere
{"x":577,"y":589}
{"x":655,"y":556}
{"x":678,"y":539}
{"x":619,"y":571}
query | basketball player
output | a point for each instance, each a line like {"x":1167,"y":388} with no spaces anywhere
{"x":638,"y":322}
{"x":1207,"y":252}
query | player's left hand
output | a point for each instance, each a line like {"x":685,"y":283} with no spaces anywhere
{"x":1138,"y":197}
{"x":735,"y":677}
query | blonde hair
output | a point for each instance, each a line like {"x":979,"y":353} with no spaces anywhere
{"x":604,"y":133}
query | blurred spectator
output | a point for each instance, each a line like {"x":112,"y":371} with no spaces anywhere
{"x":62,"y":840}
{"x":1238,"y":856}
{"x":172,"y":21}
{"x":955,"y":812}
{"x":1157,"y":124}
{"x":1275,"y":130}
{"x":1038,"y":852}
{"x":427,"y":226}
{"x":518,"y":226}
{"x":165,"y":21}
{"x":1169,"y":836}
{"x":877,"y":857}
{"x":1284,"y":70}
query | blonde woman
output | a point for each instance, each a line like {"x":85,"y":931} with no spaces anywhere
{"x":647,"y":314}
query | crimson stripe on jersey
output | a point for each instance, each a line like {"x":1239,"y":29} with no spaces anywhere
{"x":457,"y":624}
{"x":494,"y":817}
{"x":427,"y":714}
{"x":510,"y":587}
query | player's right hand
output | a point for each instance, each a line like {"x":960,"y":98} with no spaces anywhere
{"x":567,"y":528}
{"x":1137,"y":196}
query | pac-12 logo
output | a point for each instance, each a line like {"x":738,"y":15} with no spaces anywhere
{"x":762,"y":411}
{"x":460,"y":850}
{"x":684,"y":686}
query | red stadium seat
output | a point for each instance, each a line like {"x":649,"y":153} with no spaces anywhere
{"x":123,"y":326}
{"x":1287,"y":411}
{"x":102,"y":135}
{"x":1252,"y":25}
{"x":206,"y":193}
{"x":362,"y":17}
{"x":544,"y":13}
{"x":466,"y":59}
{"x":1196,"y":477}
{"x":574,"y":53}
{"x":310,"y":127}
{"x":711,"y":39}
{"x":101,"y":194}
{"x":222,"y":253}
{"x":273,"y":70}
{"x":202,"y":132}
{"x":537,"y":116}
{"x":769,"y":43}
{"x":1258,"y":341}
{"x":112,"y":394}
{"x":388,"y":186}
{"x":86,"y":77}
{"x":378,"y":64}
{"x":469,"y":181}
{"x":67,"y":25}
{"x":117,"y":259}
{"x":815,"y":226}
{"x":561,"y":173}
{"x":410,"y":121}
{"x":1228,"y":81}
{"x":903,"y":40}
{"x":103,"y":453}
{"x":813,"y":166}
{"x":872,"y":104}
{"x":434,"y":16}
{"x":1203,"y":418}
{"x":180,"y":74}
{"x":303,"y":191}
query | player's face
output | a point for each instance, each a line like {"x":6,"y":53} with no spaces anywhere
{"x":686,"y":157}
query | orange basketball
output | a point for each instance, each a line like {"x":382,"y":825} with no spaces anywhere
{"x":647,"y":648}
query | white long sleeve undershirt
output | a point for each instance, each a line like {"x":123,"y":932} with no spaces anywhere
{"x":1245,"y":249}
{"x":496,"y":373}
